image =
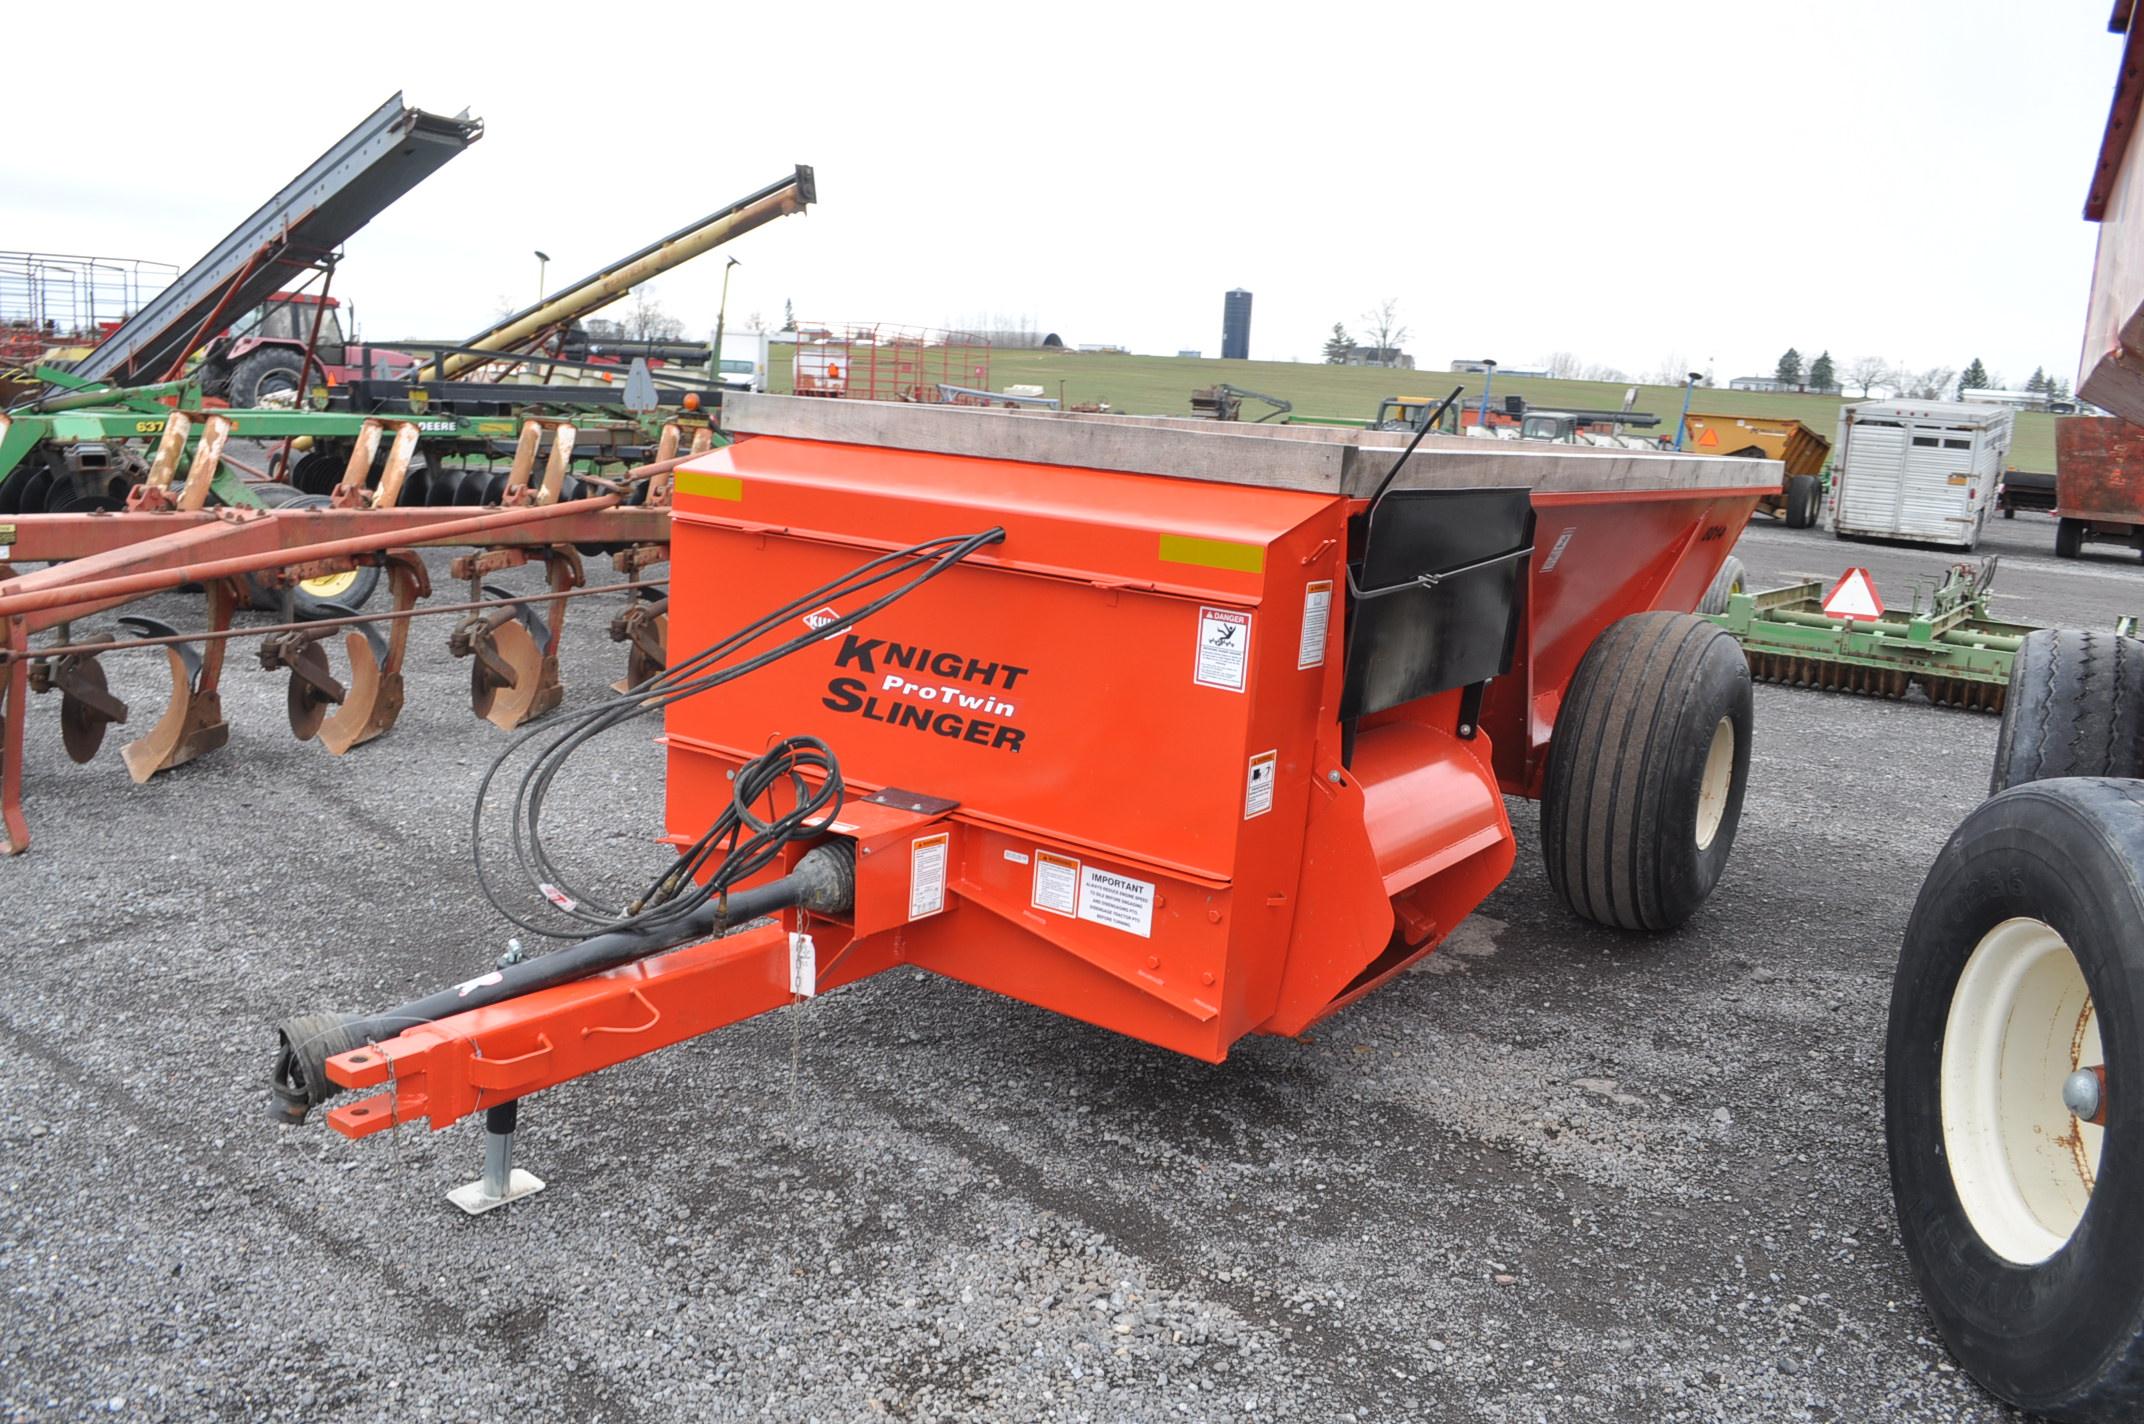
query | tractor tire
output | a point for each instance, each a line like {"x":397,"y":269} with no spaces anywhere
{"x":1730,"y":580}
{"x":2075,"y":708}
{"x":2069,"y":538}
{"x":266,"y":372}
{"x":1805,"y":496}
{"x":2022,"y":971}
{"x":1646,"y":770}
{"x":330,"y":595}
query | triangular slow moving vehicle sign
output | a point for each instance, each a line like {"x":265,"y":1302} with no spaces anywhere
{"x":1854,"y":596}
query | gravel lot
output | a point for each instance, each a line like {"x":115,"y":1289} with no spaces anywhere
{"x":1555,"y":1173}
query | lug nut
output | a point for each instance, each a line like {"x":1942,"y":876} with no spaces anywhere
{"x":2082,"y":1093}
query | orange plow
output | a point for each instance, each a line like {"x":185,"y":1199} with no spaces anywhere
{"x":169,"y":537}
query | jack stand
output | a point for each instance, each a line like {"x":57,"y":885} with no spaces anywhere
{"x":502,"y":1181}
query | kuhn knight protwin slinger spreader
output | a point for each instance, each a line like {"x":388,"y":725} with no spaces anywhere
{"x":1189,"y":732}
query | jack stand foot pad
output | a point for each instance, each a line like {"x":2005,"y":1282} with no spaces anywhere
{"x":476,"y":1201}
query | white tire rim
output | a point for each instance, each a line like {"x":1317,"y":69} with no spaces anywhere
{"x":1718,"y":780}
{"x":2021,"y":1021}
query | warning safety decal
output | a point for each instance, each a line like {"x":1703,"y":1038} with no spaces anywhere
{"x":926,"y":875}
{"x":1258,"y":786}
{"x":1056,"y":883}
{"x":1224,"y":654}
{"x":1317,"y":620}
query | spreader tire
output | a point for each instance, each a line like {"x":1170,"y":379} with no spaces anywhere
{"x":2022,"y":966}
{"x":1646,"y":769}
{"x":1803,"y":494}
{"x":2075,"y":708}
{"x":1731,"y":579}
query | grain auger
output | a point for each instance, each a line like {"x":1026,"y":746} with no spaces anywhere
{"x":346,"y":684}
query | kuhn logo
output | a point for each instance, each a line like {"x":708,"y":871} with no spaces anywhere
{"x":821,"y":618}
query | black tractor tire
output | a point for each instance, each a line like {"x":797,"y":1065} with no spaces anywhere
{"x":270,"y":369}
{"x":2069,"y":538}
{"x":1730,"y":580}
{"x":333,"y":596}
{"x":1805,"y":496}
{"x":2075,"y":707}
{"x":1975,"y":1110}
{"x":1646,"y":771}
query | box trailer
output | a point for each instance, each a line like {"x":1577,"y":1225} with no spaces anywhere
{"x":1925,"y":471}
{"x":2099,"y":483}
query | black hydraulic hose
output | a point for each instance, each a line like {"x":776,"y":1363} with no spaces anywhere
{"x":578,"y":961}
{"x":824,"y":881}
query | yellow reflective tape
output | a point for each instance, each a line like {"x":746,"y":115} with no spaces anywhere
{"x":1213,"y":553}
{"x":710,"y":486}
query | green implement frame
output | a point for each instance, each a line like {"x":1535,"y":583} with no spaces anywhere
{"x":86,"y":414}
{"x":1955,"y":652}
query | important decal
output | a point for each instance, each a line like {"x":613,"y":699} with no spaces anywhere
{"x":1056,"y":883}
{"x":1317,"y":622}
{"x":1224,"y":655}
{"x":1258,"y":785}
{"x":1118,"y":901}
{"x":926,"y":874}
{"x":945,"y":693}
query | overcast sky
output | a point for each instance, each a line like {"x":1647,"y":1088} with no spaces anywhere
{"x":1638,"y":184}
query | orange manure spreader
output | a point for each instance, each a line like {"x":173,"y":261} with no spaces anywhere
{"x":1187,"y":731}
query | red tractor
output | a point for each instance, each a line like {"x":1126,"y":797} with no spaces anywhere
{"x":260,"y":359}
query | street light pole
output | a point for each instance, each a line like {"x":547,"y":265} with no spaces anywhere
{"x":1488,"y":379}
{"x":543,"y":260}
{"x":722,"y":316}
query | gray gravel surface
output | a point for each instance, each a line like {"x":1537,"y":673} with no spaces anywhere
{"x":1556,"y":1173}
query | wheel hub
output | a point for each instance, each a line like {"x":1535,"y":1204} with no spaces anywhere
{"x":1718,"y":780}
{"x":2020,"y":1050}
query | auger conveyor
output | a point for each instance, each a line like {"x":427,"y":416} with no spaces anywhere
{"x":357,"y":179}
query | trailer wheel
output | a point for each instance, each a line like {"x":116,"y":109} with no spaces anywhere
{"x":271,"y":371}
{"x":2017,"y":1018}
{"x":1730,"y":580}
{"x":1646,"y":769}
{"x":2069,"y":538}
{"x":1803,"y":492}
{"x":2075,"y":707}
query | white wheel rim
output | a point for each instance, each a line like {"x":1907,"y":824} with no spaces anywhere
{"x":2021,"y":1020}
{"x":1718,"y":780}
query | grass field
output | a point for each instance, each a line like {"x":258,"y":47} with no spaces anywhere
{"x":1162,"y":385}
